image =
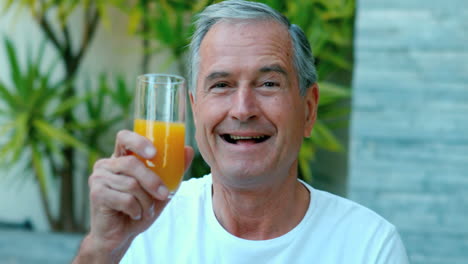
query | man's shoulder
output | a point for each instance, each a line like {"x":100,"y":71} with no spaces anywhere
{"x":336,"y":208}
{"x":358,"y":231}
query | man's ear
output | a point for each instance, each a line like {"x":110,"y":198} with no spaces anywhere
{"x":192,"y":104}
{"x":311,"y":99}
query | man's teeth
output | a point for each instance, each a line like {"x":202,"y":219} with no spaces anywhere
{"x":241,"y":137}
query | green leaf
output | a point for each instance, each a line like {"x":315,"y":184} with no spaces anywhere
{"x":69,"y":7}
{"x":11,"y":100}
{"x":199,"y":6}
{"x":89,"y":103}
{"x":6,"y":154}
{"x":134,"y":20}
{"x":101,"y":93}
{"x":40,"y":53}
{"x":35,"y":101}
{"x":306,"y":170}
{"x":59,"y":134}
{"x":335,"y":14}
{"x":7,"y":127}
{"x":337,"y":60}
{"x":330,"y":93}
{"x":322,"y":137}
{"x":334,"y":112}
{"x":83,"y":125}
{"x":14,"y":67}
{"x":52,"y":148}
{"x":44,"y":96}
{"x":165,"y":31}
{"x":37,"y":162}
{"x":169,"y":13}
{"x":306,"y":155}
{"x":307,"y":149}
{"x":122,"y":96}
{"x":69,"y":104}
{"x":16,"y":145}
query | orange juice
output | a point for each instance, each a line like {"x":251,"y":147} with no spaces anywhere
{"x":168,"y":139}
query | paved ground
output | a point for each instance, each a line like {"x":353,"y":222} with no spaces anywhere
{"x":26,"y":247}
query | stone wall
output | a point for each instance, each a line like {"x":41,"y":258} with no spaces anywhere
{"x":409,"y":132}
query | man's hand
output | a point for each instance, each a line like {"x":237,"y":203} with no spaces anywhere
{"x":126,"y":198}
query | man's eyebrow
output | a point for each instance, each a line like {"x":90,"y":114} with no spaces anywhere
{"x":273,"y":68}
{"x":218,"y":74}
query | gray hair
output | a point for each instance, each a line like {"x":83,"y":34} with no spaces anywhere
{"x":244,"y":10}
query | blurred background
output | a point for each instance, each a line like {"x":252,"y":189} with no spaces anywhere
{"x":391,"y":133}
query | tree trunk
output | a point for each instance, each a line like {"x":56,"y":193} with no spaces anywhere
{"x":53,"y":223}
{"x":67,"y":215}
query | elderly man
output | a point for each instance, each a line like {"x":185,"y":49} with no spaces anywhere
{"x":254,"y":97}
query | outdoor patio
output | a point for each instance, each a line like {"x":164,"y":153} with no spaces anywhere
{"x":27,"y":247}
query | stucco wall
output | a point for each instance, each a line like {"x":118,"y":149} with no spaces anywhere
{"x":409,"y":133}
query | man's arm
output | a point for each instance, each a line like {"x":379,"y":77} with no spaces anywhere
{"x":90,"y":252}
{"x":126,"y":198}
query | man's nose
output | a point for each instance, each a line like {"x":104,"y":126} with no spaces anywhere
{"x":244,"y":106}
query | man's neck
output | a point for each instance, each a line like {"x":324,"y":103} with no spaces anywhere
{"x":264,"y":213}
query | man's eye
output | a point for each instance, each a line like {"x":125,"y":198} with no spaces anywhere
{"x":270,"y":84}
{"x":219,"y":88}
{"x":219,"y":85}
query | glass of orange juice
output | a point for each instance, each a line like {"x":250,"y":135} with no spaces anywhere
{"x":160,"y":117}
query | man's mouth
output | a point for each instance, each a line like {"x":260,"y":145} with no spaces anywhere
{"x":233,"y":139}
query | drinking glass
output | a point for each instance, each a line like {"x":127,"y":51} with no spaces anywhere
{"x":160,"y":117}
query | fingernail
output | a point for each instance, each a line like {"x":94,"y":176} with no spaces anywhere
{"x":138,"y":217}
{"x":163,"y":191}
{"x":149,"y":152}
{"x":151,"y":211}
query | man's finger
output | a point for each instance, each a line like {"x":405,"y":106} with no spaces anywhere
{"x":131,"y":166}
{"x":114,"y":200}
{"x":128,"y":142}
{"x":129,"y":185}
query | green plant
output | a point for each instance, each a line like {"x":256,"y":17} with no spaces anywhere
{"x":35,"y":131}
{"x":34,"y":128}
{"x":46,"y":12}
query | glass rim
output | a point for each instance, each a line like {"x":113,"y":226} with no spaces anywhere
{"x":146,"y":78}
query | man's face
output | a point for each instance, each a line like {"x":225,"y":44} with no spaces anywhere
{"x":250,"y":118}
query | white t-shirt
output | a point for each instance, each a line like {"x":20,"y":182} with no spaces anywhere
{"x":333,"y":230}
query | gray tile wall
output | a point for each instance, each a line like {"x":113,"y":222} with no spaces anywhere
{"x":409,"y":130}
